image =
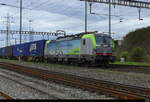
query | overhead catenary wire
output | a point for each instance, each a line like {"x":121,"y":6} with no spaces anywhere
{"x":65,"y":9}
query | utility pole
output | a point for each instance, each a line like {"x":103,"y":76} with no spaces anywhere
{"x":20,"y":25}
{"x":30,"y":29}
{"x":109,"y":18}
{"x":7,"y":28}
{"x":20,"y":20}
{"x":7,"y":22}
{"x":85,"y":16}
{"x":15,"y":40}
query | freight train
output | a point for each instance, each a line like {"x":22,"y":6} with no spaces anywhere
{"x":89,"y":48}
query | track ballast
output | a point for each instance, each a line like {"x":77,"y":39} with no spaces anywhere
{"x":113,"y":89}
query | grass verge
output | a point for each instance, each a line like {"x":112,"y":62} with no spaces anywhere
{"x":133,"y":63}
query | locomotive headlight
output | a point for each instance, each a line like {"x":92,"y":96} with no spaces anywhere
{"x":98,"y":45}
{"x":105,"y":45}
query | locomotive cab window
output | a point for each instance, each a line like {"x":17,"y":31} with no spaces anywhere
{"x":84,"y":41}
{"x":103,"y":40}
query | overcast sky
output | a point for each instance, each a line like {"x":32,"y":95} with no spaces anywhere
{"x":68,"y":15}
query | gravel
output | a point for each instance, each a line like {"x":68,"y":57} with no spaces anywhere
{"x":25,"y":87}
{"x":19,"y":91}
{"x":129,"y":78}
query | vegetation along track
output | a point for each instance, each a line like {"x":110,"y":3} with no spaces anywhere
{"x":130,"y":68}
{"x":109,"y":88}
{"x":5,"y":96}
{"x":123,"y":68}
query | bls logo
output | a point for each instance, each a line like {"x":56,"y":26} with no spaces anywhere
{"x":32,"y":47}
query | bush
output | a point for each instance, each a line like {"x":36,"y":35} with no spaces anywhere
{"x":124,"y":54}
{"x":115,"y":44}
{"x":137,"y":54}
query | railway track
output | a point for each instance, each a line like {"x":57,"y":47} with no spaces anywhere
{"x":31,"y":84}
{"x":117,"y":67}
{"x":131,"y":68}
{"x":122,"y":68}
{"x":5,"y":96}
{"x":109,"y":88}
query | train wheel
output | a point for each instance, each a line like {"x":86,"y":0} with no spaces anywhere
{"x":106,"y":64}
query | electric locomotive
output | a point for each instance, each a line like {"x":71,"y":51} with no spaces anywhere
{"x":89,"y":47}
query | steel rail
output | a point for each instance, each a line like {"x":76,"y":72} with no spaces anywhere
{"x":21,"y":83}
{"x":116,"y":67}
{"x":5,"y":96}
{"x":113,"y":89}
{"x":130,"y":68}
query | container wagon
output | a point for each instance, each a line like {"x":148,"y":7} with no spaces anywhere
{"x":35,"y":50}
{"x":2,"y":52}
{"x":19,"y":51}
{"x":8,"y":52}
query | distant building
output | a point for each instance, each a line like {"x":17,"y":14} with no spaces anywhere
{"x":120,"y":42}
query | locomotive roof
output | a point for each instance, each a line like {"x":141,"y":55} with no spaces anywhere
{"x":77,"y":36}
{"x":71,"y":37}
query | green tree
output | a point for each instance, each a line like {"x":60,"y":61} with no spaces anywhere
{"x":124,"y":54}
{"x":140,"y":38}
{"x":115,"y":44}
{"x":137,"y":54}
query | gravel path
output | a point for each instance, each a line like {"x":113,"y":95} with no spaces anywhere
{"x":24,"y":87}
{"x":130,"y":78}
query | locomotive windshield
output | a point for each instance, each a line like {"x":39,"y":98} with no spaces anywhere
{"x":103,"y":40}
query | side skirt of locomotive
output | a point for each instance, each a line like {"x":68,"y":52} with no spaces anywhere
{"x":80,"y":59}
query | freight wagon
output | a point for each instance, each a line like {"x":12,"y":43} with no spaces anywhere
{"x":35,"y":50}
{"x":30,"y":51}
{"x":2,"y":52}
{"x":19,"y":50}
{"x":8,"y":52}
